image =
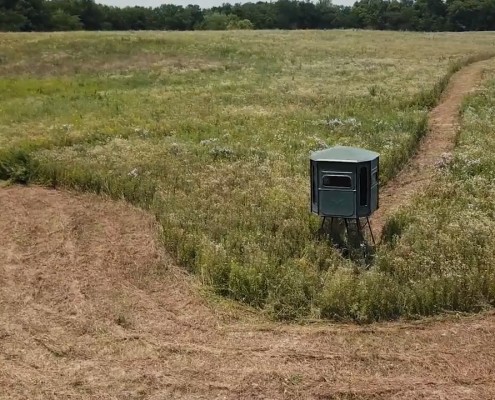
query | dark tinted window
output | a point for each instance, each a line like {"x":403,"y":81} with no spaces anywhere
{"x":314,"y":183}
{"x":363,"y":186}
{"x":337,"y":181}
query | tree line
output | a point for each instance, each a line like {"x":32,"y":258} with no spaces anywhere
{"x":410,"y":15}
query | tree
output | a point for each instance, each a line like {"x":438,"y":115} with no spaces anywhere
{"x":215,"y":21}
{"x":419,"y":15}
{"x":239,"y":24}
{"x":11,"y":21}
{"x":62,"y":21}
{"x":287,"y":12}
{"x":465,"y":15}
{"x":327,"y":13}
{"x":91,"y":15}
{"x":431,"y":14}
{"x":308,"y":16}
{"x":172,"y":17}
{"x":24,"y":15}
{"x":371,"y":13}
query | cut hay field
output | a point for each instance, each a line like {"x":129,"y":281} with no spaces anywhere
{"x":211,"y":132}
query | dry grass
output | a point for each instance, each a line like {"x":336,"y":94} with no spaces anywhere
{"x":91,"y":308}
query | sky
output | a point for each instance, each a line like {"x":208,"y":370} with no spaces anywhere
{"x":201,"y":3}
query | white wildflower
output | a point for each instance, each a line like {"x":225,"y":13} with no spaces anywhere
{"x":207,"y":142}
{"x":134,"y":173}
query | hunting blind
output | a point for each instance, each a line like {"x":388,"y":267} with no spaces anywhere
{"x":344,"y":184}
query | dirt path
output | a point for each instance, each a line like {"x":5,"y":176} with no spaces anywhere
{"x":91,"y":309}
{"x":443,"y":126}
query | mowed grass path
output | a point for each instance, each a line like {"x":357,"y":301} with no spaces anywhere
{"x":212,"y":130}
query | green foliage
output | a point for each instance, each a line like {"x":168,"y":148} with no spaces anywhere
{"x":215,"y":22}
{"x":292,"y":293}
{"x":249,"y":284}
{"x":395,"y":226}
{"x":16,"y":165}
{"x":11,"y":21}
{"x":443,"y":255}
{"x":239,"y":24}
{"x":65,"y":22}
{"x":403,"y":15}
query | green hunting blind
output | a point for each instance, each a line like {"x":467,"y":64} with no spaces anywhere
{"x":344,"y":184}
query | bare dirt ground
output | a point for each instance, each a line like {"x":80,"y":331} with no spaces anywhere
{"x":90,"y":308}
{"x":443,"y":126}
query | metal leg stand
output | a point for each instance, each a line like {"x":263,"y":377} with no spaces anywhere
{"x":371,"y":230}
{"x":359,"y":231}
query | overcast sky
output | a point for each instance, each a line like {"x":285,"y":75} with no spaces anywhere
{"x":202,"y":3}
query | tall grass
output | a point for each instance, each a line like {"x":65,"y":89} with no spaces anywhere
{"x":211,"y":133}
{"x":440,"y":251}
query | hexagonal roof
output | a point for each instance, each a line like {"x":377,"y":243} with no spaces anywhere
{"x":344,"y":154}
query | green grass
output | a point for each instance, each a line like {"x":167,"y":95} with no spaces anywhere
{"x":211,"y":131}
{"x":442,"y":258}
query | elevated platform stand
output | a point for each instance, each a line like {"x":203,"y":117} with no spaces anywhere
{"x":355,"y":228}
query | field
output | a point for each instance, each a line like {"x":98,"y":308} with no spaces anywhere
{"x":91,"y":308}
{"x":211,"y":133}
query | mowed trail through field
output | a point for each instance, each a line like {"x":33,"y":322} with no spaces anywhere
{"x":443,"y":126}
{"x":90,"y":308}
